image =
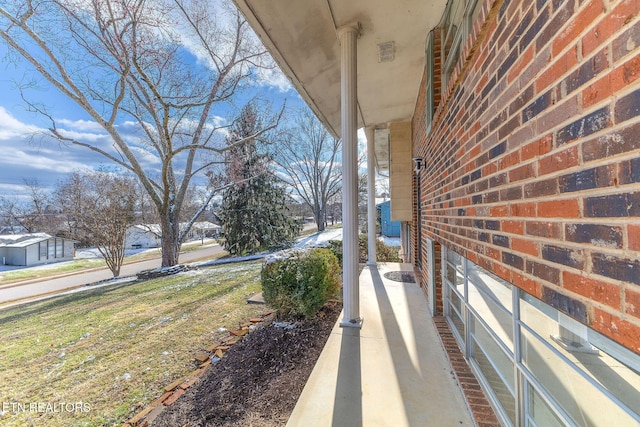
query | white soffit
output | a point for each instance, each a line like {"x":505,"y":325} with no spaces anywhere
{"x":301,"y":37}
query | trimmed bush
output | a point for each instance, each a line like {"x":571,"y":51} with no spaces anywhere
{"x":384,"y":253}
{"x":298,"y":282}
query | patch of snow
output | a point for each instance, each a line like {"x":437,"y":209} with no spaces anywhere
{"x":319,"y":239}
{"x":94,"y":253}
{"x":390,"y":241}
{"x":285,"y":325}
{"x":230,"y":260}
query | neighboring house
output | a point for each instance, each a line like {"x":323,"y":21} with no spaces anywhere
{"x":34,"y":249}
{"x":202,"y":229}
{"x":510,"y":132}
{"x":142,"y":236}
{"x":149,"y":235}
{"x":388,"y":228}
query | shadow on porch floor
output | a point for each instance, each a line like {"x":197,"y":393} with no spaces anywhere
{"x":392,"y":372}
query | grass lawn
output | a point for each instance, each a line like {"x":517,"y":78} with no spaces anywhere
{"x":115,"y":348}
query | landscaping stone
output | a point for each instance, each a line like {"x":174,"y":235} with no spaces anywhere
{"x":201,"y":357}
{"x":175,"y":396}
{"x":174,"y":384}
{"x":177,"y":388}
{"x":260,"y":378}
{"x":154,"y":414}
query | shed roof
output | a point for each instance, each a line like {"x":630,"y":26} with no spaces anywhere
{"x":22,"y":240}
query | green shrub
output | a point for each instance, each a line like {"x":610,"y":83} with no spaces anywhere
{"x":384,"y":253}
{"x":298,"y":282}
{"x":335,"y":246}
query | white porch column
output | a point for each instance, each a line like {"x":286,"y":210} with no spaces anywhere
{"x":348,"y":35}
{"x":371,"y":194}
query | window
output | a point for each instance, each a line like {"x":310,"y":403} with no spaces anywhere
{"x":431,"y":275}
{"x":59,"y":248}
{"x":538,"y":366}
{"x":457,"y":21}
{"x":429,"y":82}
{"x":42,"y":253}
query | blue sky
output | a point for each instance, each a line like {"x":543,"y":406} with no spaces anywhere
{"x":26,"y":154}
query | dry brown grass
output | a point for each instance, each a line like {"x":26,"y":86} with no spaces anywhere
{"x":115,"y":348}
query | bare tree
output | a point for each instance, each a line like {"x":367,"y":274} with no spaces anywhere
{"x":309,"y":157}
{"x":100,"y":206}
{"x":162,"y":65}
{"x":9,"y":216}
{"x":32,"y":213}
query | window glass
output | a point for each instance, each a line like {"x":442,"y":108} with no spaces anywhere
{"x":455,"y":271}
{"x":456,"y":312}
{"x":491,"y":298}
{"x":59,"y":248}
{"x":454,"y":259}
{"x":497,"y":370}
{"x":491,"y":285}
{"x":580,"y":399}
{"x":570,"y":374}
{"x":503,"y":363}
{"x":455,"y":278}
{"x":586,"y":349}
{"x":538,"y":412}
{"x":454,"y":15}
{"x":429,"y":87}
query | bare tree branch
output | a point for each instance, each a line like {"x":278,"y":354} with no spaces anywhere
{"x":132,"y":61}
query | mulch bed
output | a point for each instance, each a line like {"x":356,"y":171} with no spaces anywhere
{"x":259,"y":379}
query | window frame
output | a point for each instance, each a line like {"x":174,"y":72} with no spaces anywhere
{"x":524,"y":381}
{"x":429,"y":107}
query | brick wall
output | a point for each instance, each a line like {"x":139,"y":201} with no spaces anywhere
{"x":533,"y":164}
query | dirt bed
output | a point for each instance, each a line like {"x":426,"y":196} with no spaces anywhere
{"x":258,"y":381}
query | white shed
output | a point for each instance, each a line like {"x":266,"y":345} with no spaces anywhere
{"x":34,"y":249}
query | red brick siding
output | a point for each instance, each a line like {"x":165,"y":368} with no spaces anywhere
{"x":533,"y":164}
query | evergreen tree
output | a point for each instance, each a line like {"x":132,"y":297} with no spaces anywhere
{"x":254,"y":213}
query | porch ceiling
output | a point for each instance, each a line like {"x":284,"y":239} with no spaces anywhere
{"x":301,"y":36}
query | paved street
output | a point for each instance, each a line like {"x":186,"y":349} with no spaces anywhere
{"x":54,"y":285}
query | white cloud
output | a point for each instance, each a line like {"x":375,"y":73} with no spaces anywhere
{"x":273,"y":77}
{"x":81,"y":125}
{"x":146,"y":157}
{"x":11,"y":128}
{"x":78,"y":135}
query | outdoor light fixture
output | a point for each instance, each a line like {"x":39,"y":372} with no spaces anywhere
{"x":418,"y":162}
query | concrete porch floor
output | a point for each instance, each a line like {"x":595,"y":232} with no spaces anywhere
{"x":392,"y":372}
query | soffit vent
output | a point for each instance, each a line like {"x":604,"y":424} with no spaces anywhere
{"x":386,"y":52}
